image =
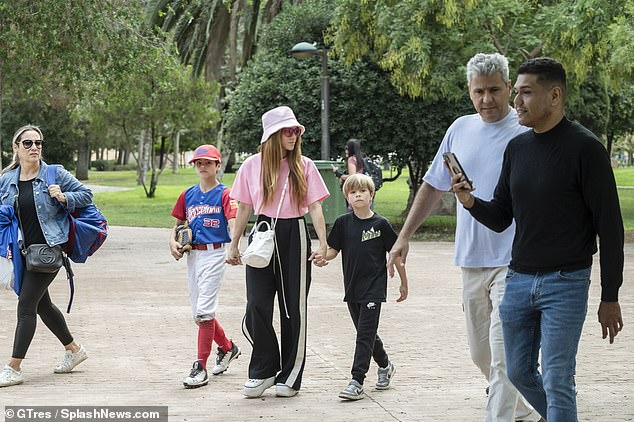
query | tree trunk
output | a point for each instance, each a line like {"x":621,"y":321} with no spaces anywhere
{"x":414,"y":181}
{"x":162,"y":152}
{"x":272,"y":9}
{"x":248,"y":40}
{"x":83,"y":158}
{"x":236,"y":12}
{"x":144,"y":155}
{"x":217,"y":41}
{"x":153,"y":183}
{"x":120,"y":155}
{"x":610,"y":141}
{"x":177,"y":148}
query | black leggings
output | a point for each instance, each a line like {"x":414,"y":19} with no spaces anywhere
{"x":34,"y":300}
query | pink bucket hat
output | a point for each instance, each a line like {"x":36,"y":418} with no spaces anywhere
{"x":276,"y":119}
{"x":206,"y":152}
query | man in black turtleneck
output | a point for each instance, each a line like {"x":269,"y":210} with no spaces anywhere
{"x":558,"y":185}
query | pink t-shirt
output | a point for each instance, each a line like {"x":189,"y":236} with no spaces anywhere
{"x":247,"y":188}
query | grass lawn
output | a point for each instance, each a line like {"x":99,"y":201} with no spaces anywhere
{"x":132,"y":208}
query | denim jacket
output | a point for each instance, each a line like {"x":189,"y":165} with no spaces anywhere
{"x":52,"y":217}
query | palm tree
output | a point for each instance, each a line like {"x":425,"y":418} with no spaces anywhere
{"x":204,"y":30}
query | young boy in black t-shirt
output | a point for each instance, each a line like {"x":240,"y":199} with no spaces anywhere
{"x":364,"y":238}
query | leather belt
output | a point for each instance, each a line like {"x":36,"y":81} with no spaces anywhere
{"x":207,"y":246}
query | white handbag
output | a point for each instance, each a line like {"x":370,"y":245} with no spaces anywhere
{"x":259,"y":252}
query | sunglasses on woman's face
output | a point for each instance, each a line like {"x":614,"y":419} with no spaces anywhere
{"x":28,"y":143}
{"x":290,"y":131}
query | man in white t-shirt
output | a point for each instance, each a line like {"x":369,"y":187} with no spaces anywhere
{"x":478,"y":141}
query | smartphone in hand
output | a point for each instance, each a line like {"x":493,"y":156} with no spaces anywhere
{"x":454,"y":167}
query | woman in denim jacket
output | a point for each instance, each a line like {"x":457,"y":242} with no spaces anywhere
{"x":43,"y":221}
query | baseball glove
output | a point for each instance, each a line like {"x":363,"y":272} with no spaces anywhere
{"x":184,"y":237}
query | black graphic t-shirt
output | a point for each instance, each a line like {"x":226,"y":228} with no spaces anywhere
{"x":364,"y":245}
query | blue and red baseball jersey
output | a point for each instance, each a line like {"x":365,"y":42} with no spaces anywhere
{"x":207,"y":213}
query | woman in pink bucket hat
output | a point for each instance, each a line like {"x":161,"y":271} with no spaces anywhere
{"x":281,"y":186}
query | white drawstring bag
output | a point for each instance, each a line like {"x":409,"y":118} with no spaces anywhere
{"x":259,"y":252}
{"x":6,"y":273}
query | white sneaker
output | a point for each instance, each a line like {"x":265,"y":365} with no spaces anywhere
{"x":10,"y":376}
{"x":283,"y":390}
{"x":255,"y":387}
{"x":71,"y":360}
{"x":197,"y":376}
{"x":223,"y":359}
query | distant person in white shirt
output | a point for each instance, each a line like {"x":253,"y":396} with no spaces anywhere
{"x":478,"y":141}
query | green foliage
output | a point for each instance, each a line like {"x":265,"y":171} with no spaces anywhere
{"x":275,"y":78}
{"x":423,"y":44}
{"x":48,"y":46}
{"x":621,"y":42}
{"x":589,"y":104}
{"x":159,"y":93}
{"x":622,"y":111}
{"x":592,"y":34}
{"x":106,"y":78}
{"x":363,"y":103}
{"x":196,"y":27}
{"x":56,"y":125}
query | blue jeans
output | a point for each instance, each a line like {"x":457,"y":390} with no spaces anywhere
{"x":545,"y":310}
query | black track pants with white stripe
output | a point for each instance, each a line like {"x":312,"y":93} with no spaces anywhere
{"x":291,"y":287}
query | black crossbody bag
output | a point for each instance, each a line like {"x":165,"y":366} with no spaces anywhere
{"x":40,"y":257}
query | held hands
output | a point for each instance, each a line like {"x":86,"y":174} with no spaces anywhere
{"x":319,"y":256}
{"x":610,"y":319}
{"x":56,"y":192}
{"x":233,"y":254}
{"x":462,"y":191}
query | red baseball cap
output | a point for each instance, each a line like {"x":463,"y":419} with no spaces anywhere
{"x":206,"y":152}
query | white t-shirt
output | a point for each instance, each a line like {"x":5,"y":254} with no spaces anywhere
{"x":479,"y":146}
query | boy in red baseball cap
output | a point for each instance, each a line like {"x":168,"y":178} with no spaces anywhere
{"x":209,"y":212}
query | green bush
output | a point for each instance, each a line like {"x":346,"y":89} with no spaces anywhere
{"x":100,"y":165}
{"x":124,"y":167}
{"x":111,"y":165}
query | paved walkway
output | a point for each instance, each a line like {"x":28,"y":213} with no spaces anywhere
{"x":132,"y":312}
{"x":103,"y":188}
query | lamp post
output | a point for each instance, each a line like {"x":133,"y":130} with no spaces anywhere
{"x":303,"y":50}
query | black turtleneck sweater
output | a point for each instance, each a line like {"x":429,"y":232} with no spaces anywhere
{"x":560,"y":189}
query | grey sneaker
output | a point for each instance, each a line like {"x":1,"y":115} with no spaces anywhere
{"x":354,"y":391}
{"x":197,"y":376}
{"x":223,"y":359}
{"x":10,"y":376}
{"x":385,"y":376}
{"x":71,"y":360}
